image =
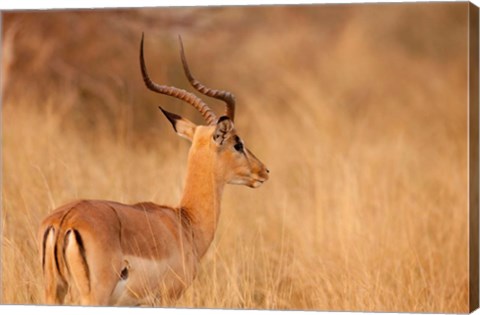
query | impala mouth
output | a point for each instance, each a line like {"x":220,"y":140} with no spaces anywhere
{"x":258,"y":182}
{"x":249,"y":181}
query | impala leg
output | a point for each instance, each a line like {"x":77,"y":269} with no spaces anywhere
{"x":84,"y":261}
{"x":55,"y":288}
{"x":99,"y":296}
{"x":108,"y":271}
{"x":55,"y":293}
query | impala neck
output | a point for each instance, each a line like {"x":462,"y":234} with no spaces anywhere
{"x":201,"y":197}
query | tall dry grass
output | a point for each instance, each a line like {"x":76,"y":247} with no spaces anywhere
{"x":359,"y":111}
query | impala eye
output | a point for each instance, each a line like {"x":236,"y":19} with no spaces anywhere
{"x":238,"y":146}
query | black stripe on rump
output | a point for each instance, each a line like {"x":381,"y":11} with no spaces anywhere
{"x":55,"y":249}
{"x":81,"y":246}
{"x":44,"y":244}
{"x":65,"y":244}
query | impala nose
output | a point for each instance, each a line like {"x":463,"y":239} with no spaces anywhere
{"x":265,"y":173}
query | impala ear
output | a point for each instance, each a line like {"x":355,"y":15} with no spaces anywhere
{"x":222,"y":130}
{"x":183,"y":127}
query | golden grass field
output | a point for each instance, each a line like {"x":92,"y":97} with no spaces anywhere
{"x":359,"y":111}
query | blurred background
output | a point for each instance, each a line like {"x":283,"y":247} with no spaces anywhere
{"x":359,"y":111}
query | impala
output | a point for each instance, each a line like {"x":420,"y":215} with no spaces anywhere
{"x":108,"y":253}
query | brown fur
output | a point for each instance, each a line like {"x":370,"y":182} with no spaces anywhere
{"x":105,"y":252}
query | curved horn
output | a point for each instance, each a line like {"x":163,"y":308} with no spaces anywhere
{"x":225,"y":96}
{"x":188,"y":97}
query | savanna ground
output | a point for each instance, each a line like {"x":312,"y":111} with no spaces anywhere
{"x":359,"y":111}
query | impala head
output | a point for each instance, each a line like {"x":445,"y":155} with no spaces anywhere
{"x":218,"y":140}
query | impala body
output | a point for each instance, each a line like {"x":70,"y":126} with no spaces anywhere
{"x":108,"y":253}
